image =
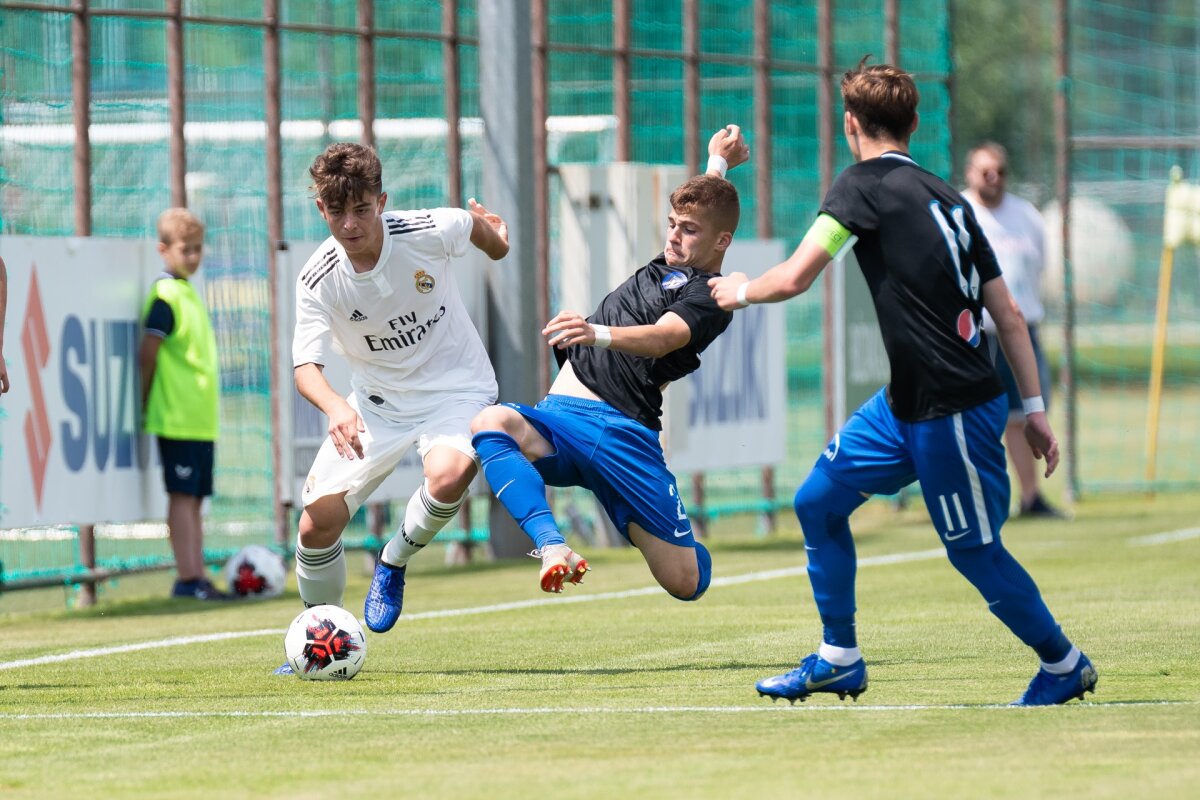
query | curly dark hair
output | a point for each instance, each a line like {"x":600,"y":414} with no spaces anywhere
{"x":344,"y":172}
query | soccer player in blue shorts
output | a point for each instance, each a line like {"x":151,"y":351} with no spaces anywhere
{"x":598,"y":427}
{"x":940,"y":420}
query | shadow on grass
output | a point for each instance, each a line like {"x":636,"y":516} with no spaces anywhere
{"x":158,"y":607}
{"x":767,"y":668}
{"x":565,"y":671}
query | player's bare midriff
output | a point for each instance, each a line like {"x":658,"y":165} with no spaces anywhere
{"x":568,"y":383}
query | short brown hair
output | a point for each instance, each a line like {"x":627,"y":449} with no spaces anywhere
{"x":882,"y":98}
{"x":711,"y":197}
{"x":177,"y":223}
{"x":345,"y":172}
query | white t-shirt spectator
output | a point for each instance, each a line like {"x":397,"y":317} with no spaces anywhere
{"x":1017,"y":235}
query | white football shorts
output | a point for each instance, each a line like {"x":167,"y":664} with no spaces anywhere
{"x":385,"y":442}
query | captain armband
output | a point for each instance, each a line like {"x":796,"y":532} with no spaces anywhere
{"x":832,"y":236}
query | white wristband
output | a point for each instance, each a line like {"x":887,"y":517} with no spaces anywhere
{"x":741,"y":295}
{"x":718,"y":163}
{"x":1033,"y":404}
{"x":603,"y":336}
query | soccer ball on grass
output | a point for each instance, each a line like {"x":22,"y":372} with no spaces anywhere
{"x":325,"y":643}
{"x":255,"y":571}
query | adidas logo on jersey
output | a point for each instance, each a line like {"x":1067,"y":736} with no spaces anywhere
{"x":358,"y":316}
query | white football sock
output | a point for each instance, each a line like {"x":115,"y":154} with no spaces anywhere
{"x":839,"y":656}
{"x":321,"y":574}
{"x":1064,"y":666}
{"x":423,"y":518}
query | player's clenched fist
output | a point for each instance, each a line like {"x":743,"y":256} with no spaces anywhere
{"x":729,"y":144}
{"x":725,"y":290}
{"x":568,"y":328}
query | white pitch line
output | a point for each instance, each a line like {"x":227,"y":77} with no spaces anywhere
{"x":732,"y":580}
{"x":1165,"y":538}
{"x":129,"y":648}
{"x":765,"y":708}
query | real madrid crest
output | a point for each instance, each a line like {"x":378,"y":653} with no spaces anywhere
{"x":424,"y":281}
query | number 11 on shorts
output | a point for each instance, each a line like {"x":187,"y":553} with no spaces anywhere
{"x":962,"y":518}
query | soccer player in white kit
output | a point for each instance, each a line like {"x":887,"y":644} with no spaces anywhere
{"x":380,"y":292}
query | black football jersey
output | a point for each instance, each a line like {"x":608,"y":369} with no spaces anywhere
{"x":925,"y":260}
{"x":630,"y":383}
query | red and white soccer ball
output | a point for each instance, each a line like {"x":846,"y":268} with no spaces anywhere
{"x":325,"y":643}
{"x":255,"y":571}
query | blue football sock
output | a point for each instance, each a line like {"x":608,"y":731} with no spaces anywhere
{"x":1013,"y":597}
{"x":1055,"y":648}
{"x":823,"y":507}
{"x":517,"y":486}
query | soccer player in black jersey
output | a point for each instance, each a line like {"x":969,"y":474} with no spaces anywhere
{"x":940,"y":420}
{"x":598,"y":427}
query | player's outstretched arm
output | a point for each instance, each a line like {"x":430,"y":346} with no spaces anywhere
{"x":666,"y":335}
{"x":1013,"y":334}
{"x":489,"y":232}
{"x":344,"y":423}
{"x":780,"y":282}
{"x":726,"y":149}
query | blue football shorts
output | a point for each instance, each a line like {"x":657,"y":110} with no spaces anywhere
{"x":187,"y":466}
{"x":1016,"y":410}
{"x":958,"y":459}
{"x":615,"y":457}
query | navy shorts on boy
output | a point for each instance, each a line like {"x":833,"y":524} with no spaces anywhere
{"x":1016,"y":407}
{"x":959,"y":460}
{"x":187,"y":466}
{"x":616,"y":457}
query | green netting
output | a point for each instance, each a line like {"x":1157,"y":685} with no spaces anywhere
{"x":227,"y":181}
{"x":1135,"y":75}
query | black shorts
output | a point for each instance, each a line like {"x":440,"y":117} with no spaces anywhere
{"x":187,"y":466}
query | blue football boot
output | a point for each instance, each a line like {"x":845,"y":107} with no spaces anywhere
{"x":385,"y":598}
{"x":1048,"y":689}
{"x":815,"y":674}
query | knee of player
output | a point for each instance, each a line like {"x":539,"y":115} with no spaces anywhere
{"x":820,"y":498}
{"x":806,"y":499}
{"x":495,"y":418}
{"x":450,"y":481}
{"x":691,"y":585}
{"x":321,"y":532}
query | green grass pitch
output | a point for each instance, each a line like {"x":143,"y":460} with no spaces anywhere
{"x":608,"y":692}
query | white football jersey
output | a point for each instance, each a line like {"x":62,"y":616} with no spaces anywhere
{"x":402,"y":327}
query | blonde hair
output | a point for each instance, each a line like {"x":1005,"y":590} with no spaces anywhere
{"x":177,"y":223}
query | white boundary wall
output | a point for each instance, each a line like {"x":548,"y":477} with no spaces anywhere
{"x":72,"y":447}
